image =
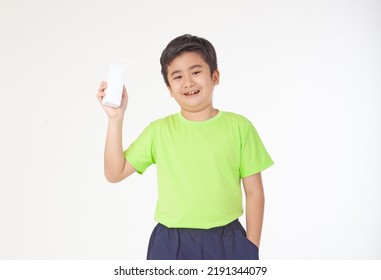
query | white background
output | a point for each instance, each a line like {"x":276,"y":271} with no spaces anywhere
{"x":307,"y":73}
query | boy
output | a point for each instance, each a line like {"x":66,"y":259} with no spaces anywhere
{"x":201,"y":154}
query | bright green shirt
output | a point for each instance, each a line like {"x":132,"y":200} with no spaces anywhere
{"x":199,"y":167}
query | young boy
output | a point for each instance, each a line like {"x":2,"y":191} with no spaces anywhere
{"x":202,"y":154}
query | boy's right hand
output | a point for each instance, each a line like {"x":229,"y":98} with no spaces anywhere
{"x":112,"y":112}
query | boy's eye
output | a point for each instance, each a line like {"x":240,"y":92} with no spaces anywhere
{"x":177,"y":78}
{"x":196,"y":72}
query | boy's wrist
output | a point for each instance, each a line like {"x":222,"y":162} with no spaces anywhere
{"x":116,"y":118}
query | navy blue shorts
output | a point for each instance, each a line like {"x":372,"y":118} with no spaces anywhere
{"x":221,"y":243}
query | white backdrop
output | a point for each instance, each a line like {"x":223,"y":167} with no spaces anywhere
{"x":307,"y":73}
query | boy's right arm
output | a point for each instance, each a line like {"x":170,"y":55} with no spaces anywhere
{"x":116,"y":167}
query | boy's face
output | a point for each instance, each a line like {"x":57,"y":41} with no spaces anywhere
{"x":190,"y":82}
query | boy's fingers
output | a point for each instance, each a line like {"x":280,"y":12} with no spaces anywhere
{"x":101,"y":89}
{"x":102,"y":86}
{"x":100,"y":94}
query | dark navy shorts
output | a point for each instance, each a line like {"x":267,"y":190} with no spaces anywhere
{"x":221,"y":243}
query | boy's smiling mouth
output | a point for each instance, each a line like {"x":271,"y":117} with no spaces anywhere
{"x":193,"y":92}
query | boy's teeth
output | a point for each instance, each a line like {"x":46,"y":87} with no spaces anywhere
{"x":191,"y":93}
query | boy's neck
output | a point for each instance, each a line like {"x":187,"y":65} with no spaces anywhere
{"x":201,"y":115}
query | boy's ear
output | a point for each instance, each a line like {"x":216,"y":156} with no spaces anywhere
{"x":170,"y":91}
{"x":216,"y":77}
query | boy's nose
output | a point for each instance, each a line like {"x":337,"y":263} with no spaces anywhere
{"x":188,"y":82}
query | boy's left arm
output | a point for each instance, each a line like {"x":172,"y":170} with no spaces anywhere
{"x":255,"y":202}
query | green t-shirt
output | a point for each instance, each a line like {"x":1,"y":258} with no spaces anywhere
{"x":199,"y":167}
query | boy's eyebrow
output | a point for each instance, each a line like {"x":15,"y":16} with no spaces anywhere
{"x":190,"y":68}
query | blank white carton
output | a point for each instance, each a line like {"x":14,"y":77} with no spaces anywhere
{"x":113,"y":97}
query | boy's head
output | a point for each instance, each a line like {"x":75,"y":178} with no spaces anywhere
{"x":188,"y":43}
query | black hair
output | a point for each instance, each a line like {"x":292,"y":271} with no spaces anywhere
{"x":188,"y":43}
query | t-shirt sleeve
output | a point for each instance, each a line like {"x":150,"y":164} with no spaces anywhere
{"x":141,"y":153}
{"x":254,"y":156}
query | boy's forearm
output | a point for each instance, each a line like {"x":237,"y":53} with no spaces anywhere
{"x":254,"y":216}
{"x":114,"y":157}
